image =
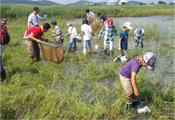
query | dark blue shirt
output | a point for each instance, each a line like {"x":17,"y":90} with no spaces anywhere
{"x":124,"y":40}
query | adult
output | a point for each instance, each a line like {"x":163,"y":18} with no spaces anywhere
{"x":90,"y":16}
{"x":103,"y":19}
{"x":33,"y":19}
{"x":32,"y":37}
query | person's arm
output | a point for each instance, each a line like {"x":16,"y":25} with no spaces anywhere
{"x":135,"y":37}
{"x":120,"y":48}
{"x":28,"y":24}
{"x":92,"y":33}
{"x":101,"y":21}
{"x":31,"y":36}
{"x":82,"y":32}
{"x":101,"y":33}
{"x":52,"y":31}
{"x":133,"y":82}
{"x":68,"y":34}
{"x":59,"y":33}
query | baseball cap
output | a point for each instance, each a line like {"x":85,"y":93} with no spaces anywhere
{"x":54,"y":22}
{"x":128,"y":25}
{"x":4,"y":21}
{"x":36,"y":9}
{"x":68,"y":24}
{"x":138,"y":32}
{"x":150,"y":60}
{"x":110,"y":22}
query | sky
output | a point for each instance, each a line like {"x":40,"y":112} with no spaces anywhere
{"x":144,"y":1}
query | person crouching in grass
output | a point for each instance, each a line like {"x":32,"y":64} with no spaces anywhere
{"x":32,"y":37}
{"x":123,"y":41}
{"x":86,"y":30}
{"x":139,"y":35}
{"x":57,"y":32}
{"x":109,"y":32}
{"x":128,"y":76}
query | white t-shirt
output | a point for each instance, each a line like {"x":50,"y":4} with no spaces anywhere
{"x":34,"y":20}
{"x":90,"y":14}
{"x":73,"y":32}
{"x":87,"y":31}
{"x":138,"y":35}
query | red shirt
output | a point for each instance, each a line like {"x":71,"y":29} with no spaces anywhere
{"x":36,"y":31}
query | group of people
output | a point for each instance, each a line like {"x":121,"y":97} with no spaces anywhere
{"x":128,"y":72}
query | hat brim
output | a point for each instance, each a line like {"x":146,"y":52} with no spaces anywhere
{"x":110,"y":25}
{"x":130,"y":28}
{"x":150,"y":68}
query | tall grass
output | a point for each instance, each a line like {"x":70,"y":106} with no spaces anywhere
{"x":67,"y":12}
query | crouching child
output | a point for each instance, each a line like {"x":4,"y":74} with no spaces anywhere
{"x":139,"y":35}
{"x":128,"y":76}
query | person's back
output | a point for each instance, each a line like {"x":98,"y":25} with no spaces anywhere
{"x":34,"y":20}
{"x":73,"y":31}
{"x":87,"y":31}
{"x":60,"y":36}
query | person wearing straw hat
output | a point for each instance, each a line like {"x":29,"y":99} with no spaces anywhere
{"x":57,"y":32}
{"x":33,"y":19}
{"x":3,"y":25}
{"x":32,"y":37}
{"x":109,"y":31}
{"x":86,"y":30}
{"x":139,"y":35}
{"x":90,"y":16}
{"x":72,"y":31}
{"x":123,"y":41}
{"x":128,"y":76}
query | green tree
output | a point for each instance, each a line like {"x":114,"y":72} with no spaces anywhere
{"x":161,"y":2}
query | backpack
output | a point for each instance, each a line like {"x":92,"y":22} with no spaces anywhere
{"x":4,"y":36}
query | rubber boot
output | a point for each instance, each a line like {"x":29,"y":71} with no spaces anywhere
{"x":3,"y":75}
{"x":105,"y":51}
{"x":134,"y":103}
{"x":75,"y":48}
{"x":91,"y":50}
{"x":111,"y":53}
{"x":69,"y":50}
{"x":85,"y":53}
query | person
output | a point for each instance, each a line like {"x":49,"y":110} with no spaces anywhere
{"x":103,"y":18}
{"x":139,"y":35}
{"x":128,"y":76}
{"x":90,"y":16}
{"x":86,"y":30}
{"x":72,"y":31}
{"x":57,"y":32}
{"x":109,"y":32}
{"x":123,"y":41}
{"x":33,"y":19}
{"x":32,"y":37}
{"x":3,"y":25}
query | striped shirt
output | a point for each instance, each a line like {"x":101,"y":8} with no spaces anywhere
{"x":108,"y":32}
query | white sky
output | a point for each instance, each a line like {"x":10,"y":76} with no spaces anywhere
{"x":144,"y":1}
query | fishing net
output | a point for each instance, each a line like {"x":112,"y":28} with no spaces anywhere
{"x":52,"y":51}
{"x":96,"y":27}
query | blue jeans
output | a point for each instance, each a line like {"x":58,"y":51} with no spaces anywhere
{"x":72,"y":41}
{"x":85,"y":43}
{"x":2,"y":68}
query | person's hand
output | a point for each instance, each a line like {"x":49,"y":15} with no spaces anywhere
{"x":98,"y":38}
{"x":119,"y":49}
{"x":46,"y":40}
{"x":53,"y":35}
{"x":136,"y":92}
{"x":79,"y":35}
{"x":38,"y":41}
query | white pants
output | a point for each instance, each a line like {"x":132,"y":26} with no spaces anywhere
{"x":110,"y":44}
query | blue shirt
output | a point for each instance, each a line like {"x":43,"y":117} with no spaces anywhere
{"x":124,"y":40}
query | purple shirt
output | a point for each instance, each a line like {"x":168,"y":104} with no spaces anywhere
{"x":129,"y":67}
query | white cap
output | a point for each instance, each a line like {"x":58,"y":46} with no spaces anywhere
{"x":68,"y":24}
{"x":128,"y":25}
{"x":150,"y":60}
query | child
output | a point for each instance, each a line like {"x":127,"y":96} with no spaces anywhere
{"x":73,"y":33}
{"x":32,"y":37}
{"x":90,"y":16}
{"x":86,"y":30}
{"x":123,"y":41}
{"x":109,"y":32}
{"x":57,"y":32}
{"x":138,"y":34}
{"x":103,"y":18}
{"x":3,"y":24}
{"x":128,"y":76}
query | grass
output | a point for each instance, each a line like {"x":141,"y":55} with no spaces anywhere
{"x":80,"y":87}
{"x":70,"y":12}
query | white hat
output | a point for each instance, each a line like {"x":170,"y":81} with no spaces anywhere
{"x":150,"y":60}
{"x":128,"y":25}
{"x":68,"y":24}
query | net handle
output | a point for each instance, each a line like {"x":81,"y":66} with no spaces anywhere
{"x":50,"y":44}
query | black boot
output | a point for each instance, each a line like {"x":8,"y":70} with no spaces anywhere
{"x":75,"y":48}
{"x":3,"y":75}
{"x":69,"y":50}
{"x":128,"y":106}
{"x":111,"y":53}
{"x":134,"y":103}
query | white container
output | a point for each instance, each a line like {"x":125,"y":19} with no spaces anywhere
{"x":123,"y":59}
{"x":94,"y":37}
{"x":96,"y":46}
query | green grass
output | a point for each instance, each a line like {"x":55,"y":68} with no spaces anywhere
{"x":77,"y":88}
{"x":70,"y":12}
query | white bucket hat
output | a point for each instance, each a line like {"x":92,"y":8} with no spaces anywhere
{"x":128,"y":25}
{"x":68,"y":24}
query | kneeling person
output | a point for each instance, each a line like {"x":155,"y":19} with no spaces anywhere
{"x":128,"y":76}
{"x":32,"y":37}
